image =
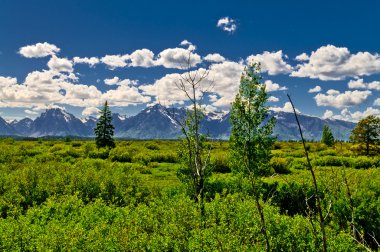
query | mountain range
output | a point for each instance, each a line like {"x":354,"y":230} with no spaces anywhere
{"x":157,"y":122}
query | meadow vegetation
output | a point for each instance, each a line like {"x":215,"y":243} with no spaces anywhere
{"x":70,"y":195}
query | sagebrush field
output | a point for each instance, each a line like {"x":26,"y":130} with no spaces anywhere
{"x":68,"y":195}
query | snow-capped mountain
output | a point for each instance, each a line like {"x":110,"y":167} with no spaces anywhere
{"x":57,"y":122}
{"x":23,"y":126}
{"x":157,"y":122}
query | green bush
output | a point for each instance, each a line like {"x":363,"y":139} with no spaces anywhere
{"x":220,"y":163}
{"x":280,"y":165}
{"x":299,"y":163}
{"x":120,"y":154}
{"x":102,"y":153}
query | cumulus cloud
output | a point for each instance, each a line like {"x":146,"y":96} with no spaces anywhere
{"x":328,"y":114}
{"x":214,"y":57}
{"x":356,"y":116}
{"x":227,"y":24}
{"x":60,"y":64}
{"x":112,"y":81}
{"x":124,"y":96}
{"x":190,"y":46}
{"x":225,"y":77}
{"x":270,"y":86}
{"x":271,"y":62}
{"x":377,"y":102}
{"x":89,"y":61}
{"x":90,"y":111}
{"x":141,"y":58}
{"x":39,"y":50}
{"x":315,"y":89}
{"x":336,"y":63}
{"x":165,"y":90}
{"x":360,"y":84}
{"x":336,"y":99}
{"x":303,"y":57}
{"x":115,"y":61}
{"x":42,"y":88}
{"x":286,"y":108}
{"x":117,"y":81}
{"x":7,"y":81}
{"x":273,"y":99}
{"x":177,"y":58}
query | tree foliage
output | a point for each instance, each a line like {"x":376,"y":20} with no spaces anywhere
{"x":327,"y":136}
{"x":367,"y":135}
{"x":104,"y":129}
{"x":251,"y":141}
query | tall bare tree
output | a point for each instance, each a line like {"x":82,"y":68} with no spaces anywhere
{"x":194,"y":151}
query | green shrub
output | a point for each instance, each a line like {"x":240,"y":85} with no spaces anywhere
{"x":219,"y":163}
{"x":164,"y":157}
{"x":298,"y":163}
{"x":120,"y":154}
{"x":102,"y":153}
{"x":280,"y":165}
{"x":151,"y":146}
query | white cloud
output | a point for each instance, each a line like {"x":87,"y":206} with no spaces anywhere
{"x":124,"y":96}
{"x":60,"y":64}
{"x":347,"y":115}
{"x":177,"y":58}
{"x":273,"y":99}
{"x":90,"y":111}
{"x":359,"y":83}
{"x":271,"y":87}
{"x":214,"y":57}
{"x":225,"y":77}
{"x":315,"y":89}
{"x":227,"y":24}
{"x":286,"y":108}
{"x":336,"y":99}
{"x":303,"y":57}
{"x":115,"y":61}
{"x":328,"y":114}
{"x":165,"y":90}
{"x":336,"y":63}
{"x":271,"y":62}
{"x":112,"y":81}
{"x":43,"y":88}
{"x":117,"y":81}
{"x":141,"y":58}
{"x":189,"y":45}
{"x":39,"y":50}
{"x":377,"y":102}
{"x":30,"y":112}
{"x":7,"y":81}
{"x":90,"y":61}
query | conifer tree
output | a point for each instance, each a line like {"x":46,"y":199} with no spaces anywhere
{"x":251,"y":141}
{"x":327,"y":136}
{"x":104,"y":129}
{"x":367,"y":135}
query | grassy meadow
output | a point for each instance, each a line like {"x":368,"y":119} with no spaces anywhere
{"x":68,"y":195}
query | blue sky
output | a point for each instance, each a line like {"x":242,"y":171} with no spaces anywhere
{"x":76,"y":54}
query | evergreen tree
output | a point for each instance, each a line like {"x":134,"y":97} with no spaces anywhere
{"x":367,"y":135}
{"x":327,"y":136}
{"x":104,"y":129}
{"x":251,"y":141}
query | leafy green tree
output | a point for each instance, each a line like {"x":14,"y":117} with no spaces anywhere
{"x":251,"y":135}
{"x":104,"y":129}
{"x":327,"y":136}
{"x":367,"y":135}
